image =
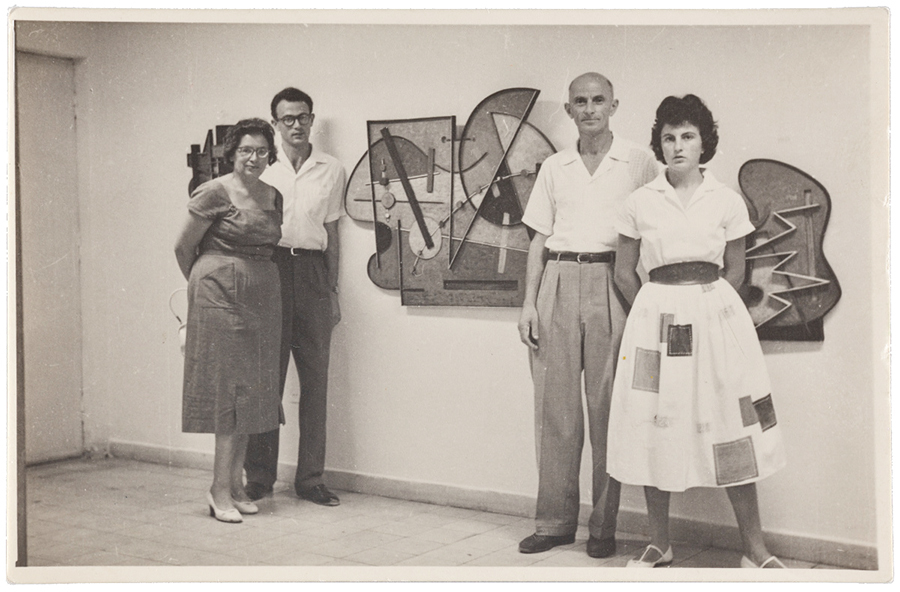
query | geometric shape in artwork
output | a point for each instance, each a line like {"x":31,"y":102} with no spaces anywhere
{"x":680,"y":340}
{"x":748,"y":411}
{"x":665,"y":319}
{"x":735,"y":461}
{"x":765,"y":410}
{"x":784,"y":256}
{"x":646,"y":370}
{"x":447,"y":206}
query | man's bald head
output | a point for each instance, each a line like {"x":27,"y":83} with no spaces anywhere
{"x":593,"y":77}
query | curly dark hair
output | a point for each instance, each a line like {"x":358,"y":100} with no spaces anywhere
{"x":687,"y":109}
{"x":291,"y":95}
{"x":246,"y":127}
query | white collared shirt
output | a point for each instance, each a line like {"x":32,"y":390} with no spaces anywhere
{"x":313,"y":196}
{"x":577,"y":210}
{"x":672,"y":233}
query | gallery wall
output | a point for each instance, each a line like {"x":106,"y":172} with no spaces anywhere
{"x":442,"y":396}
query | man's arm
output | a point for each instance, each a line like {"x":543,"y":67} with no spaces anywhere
{"x":332,"y":263}
{"x":628,"y":253}
{"x":534,"y":269}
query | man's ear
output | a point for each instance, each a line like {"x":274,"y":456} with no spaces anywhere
{"x":568,"y":108}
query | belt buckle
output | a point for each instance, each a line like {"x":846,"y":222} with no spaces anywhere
{"x":295,"y":251}
{"x":579,"y":260}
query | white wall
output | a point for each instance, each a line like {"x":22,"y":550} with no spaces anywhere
{"x":443,"y":395}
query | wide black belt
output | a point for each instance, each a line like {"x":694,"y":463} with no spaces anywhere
{"x":604,"y":257}
{"x":296,"y":252}
{"x":686,"y":273}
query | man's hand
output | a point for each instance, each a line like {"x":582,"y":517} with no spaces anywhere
{"x":335,"y":309}
{"x":528,"y":326}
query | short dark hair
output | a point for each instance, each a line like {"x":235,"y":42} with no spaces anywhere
{"x":291,"y":95}
{"x":687,"y":109}
{"x":247,"y":127}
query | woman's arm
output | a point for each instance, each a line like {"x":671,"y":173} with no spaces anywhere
{"x":734,"y":262}
{"x":192,"y":232}
{"x":627,"y":279}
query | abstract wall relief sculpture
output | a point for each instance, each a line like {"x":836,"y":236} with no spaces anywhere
{"x":448,"y":209}
{"x":211,"y":162}
{"x":792,"y":284}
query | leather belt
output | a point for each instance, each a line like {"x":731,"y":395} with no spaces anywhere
{"x":297,"y":252}
{"x":604,"y":257}
{"x":686,"y":273}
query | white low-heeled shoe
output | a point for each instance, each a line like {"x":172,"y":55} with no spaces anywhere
{"x":771,"y":562}
{"x":245,"y":507}
{"x":230,"y":515}
{"x":663,"y":560}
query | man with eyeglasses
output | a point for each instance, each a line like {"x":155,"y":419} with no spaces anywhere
{"x":312,"y":184}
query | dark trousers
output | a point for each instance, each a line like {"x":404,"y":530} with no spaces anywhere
{"x":306,"y":333}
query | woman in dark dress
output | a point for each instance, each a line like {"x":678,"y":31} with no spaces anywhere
{"x":231,"y":367}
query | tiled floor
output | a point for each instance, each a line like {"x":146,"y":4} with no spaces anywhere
{"x":120,"y":512}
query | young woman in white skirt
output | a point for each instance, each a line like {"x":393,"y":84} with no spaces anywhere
{"x":692,"y":405}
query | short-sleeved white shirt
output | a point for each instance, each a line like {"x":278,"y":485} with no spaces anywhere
{"x":312,"y":197}
{"x":577,"y":210}
{"x":672,"y":233}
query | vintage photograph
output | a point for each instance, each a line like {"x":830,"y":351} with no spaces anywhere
{"x":449,"y":295}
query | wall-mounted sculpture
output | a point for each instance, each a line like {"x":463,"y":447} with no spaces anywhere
{"x":211,"y":162}
{"x":448,"y":210}
{"x":792,"y":282}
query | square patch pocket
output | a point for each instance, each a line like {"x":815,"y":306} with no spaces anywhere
{"x":680,"y":340}
{"x":765,"y":410}
{"x":735,"y":461}
{"x":646,"y":370}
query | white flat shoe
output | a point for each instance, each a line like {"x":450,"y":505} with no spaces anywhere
{"x":771,"y":562}
{"x":245,"y":507}
{"x":230,"y":515}
{"x":663,"y":560}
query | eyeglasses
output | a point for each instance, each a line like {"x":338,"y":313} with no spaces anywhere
{"x":247,"y":151}
{"x":289,"y":120}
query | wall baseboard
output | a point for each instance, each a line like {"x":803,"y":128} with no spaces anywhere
{"x":799,"y":547}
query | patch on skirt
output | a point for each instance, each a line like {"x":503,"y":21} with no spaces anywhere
{"x":646,"y":370}
{"x":665,"y":319}
{"x":707,"y":287}
{"x":765,"y":409}
{"x":748,"y":411}
{"x":727,"y":312}
{"x":703,"y":428}
{"x":680,"y":340}
{"x":735,"y":461}
{"x":660,"y":421}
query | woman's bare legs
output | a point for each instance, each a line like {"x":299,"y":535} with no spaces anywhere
{"x":237,"y":468}
{"x":227,"y":446}
{"x":658,"y":515}
{"x":746,"y":510}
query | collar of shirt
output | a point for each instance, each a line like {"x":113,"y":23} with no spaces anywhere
{"x":618,"y":151}
{"x":661,"y":184}
{"x":315,"y":157}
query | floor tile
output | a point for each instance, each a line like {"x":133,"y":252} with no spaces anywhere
{"x":116,"y":512}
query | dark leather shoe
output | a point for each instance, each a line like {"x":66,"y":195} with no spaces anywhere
{"x":601,"y":547}
{"x":538,"y":543}
{"x":257,"y":491}
{"x":320,"y":495}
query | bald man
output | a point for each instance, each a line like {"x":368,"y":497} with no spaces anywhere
{"x":573,"y":316}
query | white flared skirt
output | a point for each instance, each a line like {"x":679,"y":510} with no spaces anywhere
{"x":692,"y":404}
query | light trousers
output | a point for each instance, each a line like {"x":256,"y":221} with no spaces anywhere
{"x":581,"y":317}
